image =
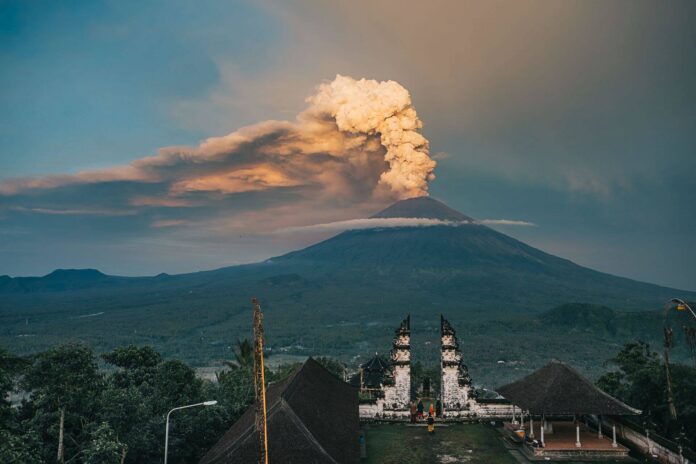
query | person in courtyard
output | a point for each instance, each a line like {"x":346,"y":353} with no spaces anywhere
{"x":431,"y":410}
{"x":413,"y":410}
{"x":420,"y":409}
{"x":431,"y":424}
{"x":438,"y":408}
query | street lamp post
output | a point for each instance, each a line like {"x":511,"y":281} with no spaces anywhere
{"x":681,"y":306}
{"x":668,"y":334}
{"x":166,"y":433}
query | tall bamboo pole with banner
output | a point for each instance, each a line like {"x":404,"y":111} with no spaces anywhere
{"x":260,"y":383}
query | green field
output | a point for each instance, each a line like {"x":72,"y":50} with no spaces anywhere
{"x":451,"y":443}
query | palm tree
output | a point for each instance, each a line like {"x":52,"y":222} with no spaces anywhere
{"x":243,"y":354}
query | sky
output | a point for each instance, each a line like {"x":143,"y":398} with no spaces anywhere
{"x":147,"y":137}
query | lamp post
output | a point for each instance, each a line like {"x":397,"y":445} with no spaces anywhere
{"x":681,"y":306}
{"x":669,"y":340}
{"x":166,"y":433}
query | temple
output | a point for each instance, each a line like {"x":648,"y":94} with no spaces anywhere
{"x":455,"y":386}
{"x":385,"y":384}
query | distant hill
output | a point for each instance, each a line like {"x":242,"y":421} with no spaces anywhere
{"x":340,"y":296}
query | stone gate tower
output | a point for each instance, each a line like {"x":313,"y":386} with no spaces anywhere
{"x":455,"y":384}
{"x":398,"y":395}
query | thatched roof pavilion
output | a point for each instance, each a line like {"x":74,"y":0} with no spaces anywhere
{"x":557,"y":389}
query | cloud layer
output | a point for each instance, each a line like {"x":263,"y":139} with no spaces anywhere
{"x":382,"y":223}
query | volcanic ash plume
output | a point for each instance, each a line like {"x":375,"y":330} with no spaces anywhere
{"x":384,"y":109}
{"x":357,"y":141}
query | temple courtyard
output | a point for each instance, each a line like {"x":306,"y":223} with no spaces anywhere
{"x":451,"y":443}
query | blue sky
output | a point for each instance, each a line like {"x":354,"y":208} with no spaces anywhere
{"x":577,"y":116}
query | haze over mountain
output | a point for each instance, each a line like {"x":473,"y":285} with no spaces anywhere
{"x":337,"y":296}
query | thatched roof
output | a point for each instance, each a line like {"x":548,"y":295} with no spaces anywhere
{"x":558,"y":389}
{"x":312,"y":417}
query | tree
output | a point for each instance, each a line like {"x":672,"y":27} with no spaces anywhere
{"x":243,"y":355}
{"x":104,"y":447}
{"x":65,"y":385}
{"x":137,"y":364}
{"x":10,"y":366}
{"x":640,"y":381}
{"x":19,"y":447}
{"x":332,"y":365}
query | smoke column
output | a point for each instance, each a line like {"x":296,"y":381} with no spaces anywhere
{"x":384,"y":108}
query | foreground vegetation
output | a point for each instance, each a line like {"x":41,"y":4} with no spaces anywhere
{"x":639,"y":379}
{"x":114,"y":406}
{"x":117,"y":415}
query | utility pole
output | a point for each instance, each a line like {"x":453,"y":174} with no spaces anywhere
{"x":669,"y":341}
{"x":260,"y":383}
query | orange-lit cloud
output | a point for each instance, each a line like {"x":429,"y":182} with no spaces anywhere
{"x":357,"y":141}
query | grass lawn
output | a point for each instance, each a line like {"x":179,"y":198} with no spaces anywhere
{"x":471,"y":443}
{"x":456,"y":443}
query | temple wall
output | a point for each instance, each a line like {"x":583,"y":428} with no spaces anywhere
{"x":371,"y":410}
{"x":397,"y":396}
{"x":493,"y":411}
{"x":453,"y":395}
{"x":643,"y":443}
{"x":402,"y":386}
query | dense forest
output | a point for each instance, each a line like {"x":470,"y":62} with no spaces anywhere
{"x":113,"y":407}
{"x":578,"y":333}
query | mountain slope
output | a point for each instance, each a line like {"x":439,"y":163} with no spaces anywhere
{"x":340,"y":296}
{"x":466,"y":260}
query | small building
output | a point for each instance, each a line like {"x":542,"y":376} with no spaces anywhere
{"x":557,"y":391}
{"x":312,"y":418}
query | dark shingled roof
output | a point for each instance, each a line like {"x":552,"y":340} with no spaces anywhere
{"x":375,"y":372}
{"x":312,"y":417}
{"x":558,"y":389}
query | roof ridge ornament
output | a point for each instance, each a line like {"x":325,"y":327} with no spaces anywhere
{"x":445,"y":327}
{"x":404,"y":327}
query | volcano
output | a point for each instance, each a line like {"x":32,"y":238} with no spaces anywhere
{"x":461,"y":261}
{"x":422,"y":207}
{"x":450,"y":264}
